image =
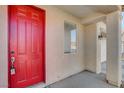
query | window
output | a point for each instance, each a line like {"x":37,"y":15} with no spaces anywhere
{"x":70,"y":37}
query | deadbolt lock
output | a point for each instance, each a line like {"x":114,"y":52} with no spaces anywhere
{"x":12,"y":52}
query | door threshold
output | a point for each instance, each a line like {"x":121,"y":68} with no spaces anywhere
{"x":38,"y":85}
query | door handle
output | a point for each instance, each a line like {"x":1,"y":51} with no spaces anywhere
{"x":12,"y":70}
{"x":12,"y":60}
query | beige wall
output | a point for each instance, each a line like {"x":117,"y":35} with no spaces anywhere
{"x":58,"y":64}
{"x":90,"y":47}
{"x":113,"y":48}
{"x":95,"y":49}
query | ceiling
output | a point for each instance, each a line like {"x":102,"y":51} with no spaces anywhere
{"x":82,"y":11}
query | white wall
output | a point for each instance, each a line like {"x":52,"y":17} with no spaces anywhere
{"x":91,"y":47}
{"x":113,"y":48}
{"x":58,"y":64}
{"x":103,"y":50}
{"x":101,"y":45}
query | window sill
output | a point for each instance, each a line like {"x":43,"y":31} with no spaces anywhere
{"x":67,"y":53}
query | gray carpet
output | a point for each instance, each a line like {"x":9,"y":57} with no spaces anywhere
{"x":83,"y":80}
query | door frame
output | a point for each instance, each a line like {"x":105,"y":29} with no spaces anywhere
{"x":44,"y":44}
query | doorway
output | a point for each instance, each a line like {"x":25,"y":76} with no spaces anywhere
{"x":26,"y":45}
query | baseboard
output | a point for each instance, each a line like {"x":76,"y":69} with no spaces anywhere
{"x":86,"y":69}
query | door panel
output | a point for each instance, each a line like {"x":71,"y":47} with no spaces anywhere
{"x":21,"y":27}
{"x":27,"y":42}
{"x":22,"y":75}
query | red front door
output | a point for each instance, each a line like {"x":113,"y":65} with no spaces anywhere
{"x":26,"y":45}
